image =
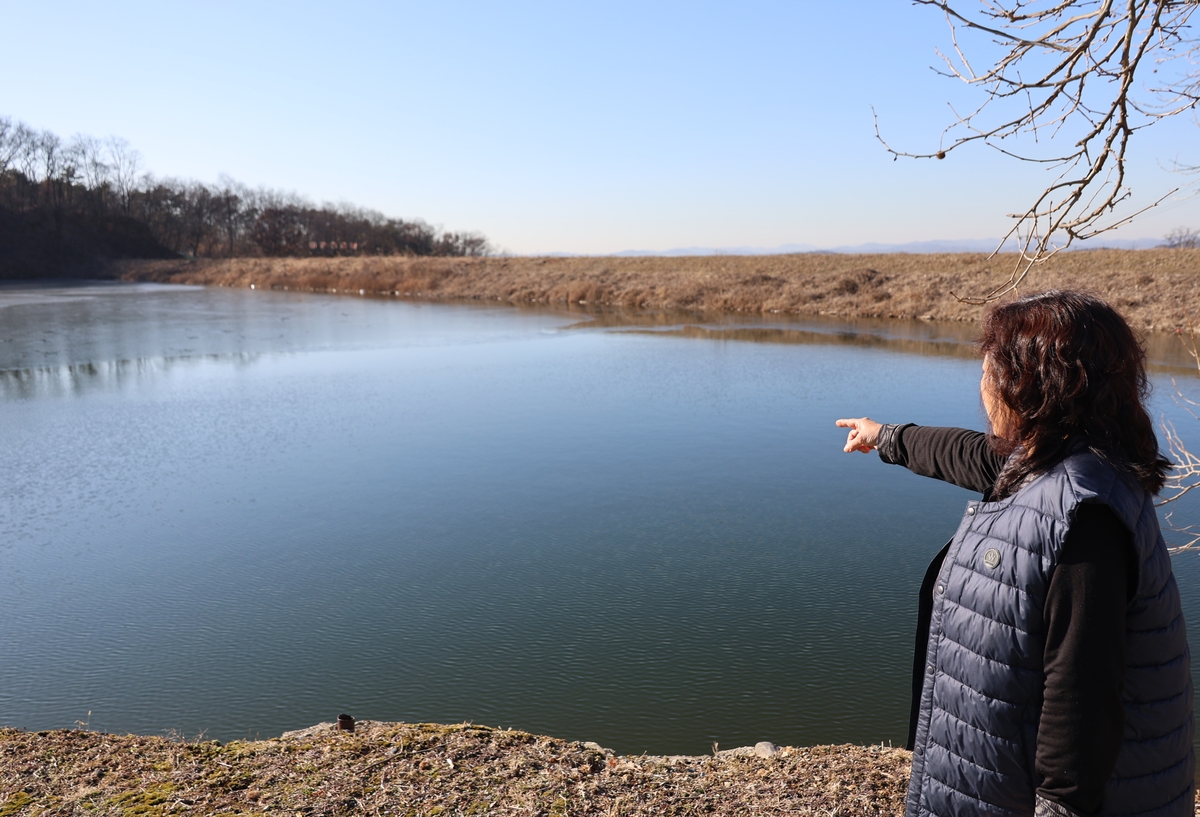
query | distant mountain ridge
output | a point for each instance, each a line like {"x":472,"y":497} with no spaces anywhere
{"x":936,"y":246}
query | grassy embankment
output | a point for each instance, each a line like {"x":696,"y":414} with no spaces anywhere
{"x":1154,"y":288}
{"x":430,"y":769}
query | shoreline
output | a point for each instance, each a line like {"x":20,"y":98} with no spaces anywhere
{"x":433,"y":769}
{"x":1153,"y":288}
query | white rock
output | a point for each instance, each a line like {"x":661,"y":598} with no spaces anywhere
{"x":766,"y":749}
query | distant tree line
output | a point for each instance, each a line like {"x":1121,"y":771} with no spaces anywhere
{"x":93,"y":190}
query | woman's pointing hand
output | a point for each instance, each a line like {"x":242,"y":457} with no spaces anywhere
{"x":863,"y":436}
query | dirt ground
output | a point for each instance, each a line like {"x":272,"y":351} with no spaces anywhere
{"x":429,"y":769}
{"x":1157,"y":290}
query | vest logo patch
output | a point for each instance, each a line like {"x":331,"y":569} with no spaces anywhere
{"x":991,"y":558}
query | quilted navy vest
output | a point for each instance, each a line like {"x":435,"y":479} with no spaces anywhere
{"x":981,"y":699}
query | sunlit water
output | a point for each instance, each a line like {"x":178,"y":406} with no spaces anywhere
{"x":239,"y":513}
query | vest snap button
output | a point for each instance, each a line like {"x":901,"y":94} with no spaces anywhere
{"x":970,"y":511}
{"x":941,"y":588}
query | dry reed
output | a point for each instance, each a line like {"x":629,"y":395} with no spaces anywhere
{"x":1156,"y":289}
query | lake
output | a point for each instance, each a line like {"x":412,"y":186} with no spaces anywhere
{"x":235,"y":513}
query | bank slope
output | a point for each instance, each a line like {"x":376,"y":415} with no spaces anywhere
{"x":1156,"y":289}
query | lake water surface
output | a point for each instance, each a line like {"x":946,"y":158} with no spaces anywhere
{"x":239,"y":513}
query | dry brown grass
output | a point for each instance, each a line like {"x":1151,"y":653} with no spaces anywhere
{"x":429,"y":769}
{"x":1156,"y":289}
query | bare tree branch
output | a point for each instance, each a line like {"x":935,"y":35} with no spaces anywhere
{"x":1186,"y":474}
{"x":1066,"y":69}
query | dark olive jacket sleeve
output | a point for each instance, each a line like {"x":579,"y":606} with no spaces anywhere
{"x":1082,"y":718}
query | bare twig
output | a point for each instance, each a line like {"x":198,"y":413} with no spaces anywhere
{"x":1186,"y":474}
{"x":1067,"y":68}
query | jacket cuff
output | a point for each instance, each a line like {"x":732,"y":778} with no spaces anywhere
{"x":1048,"y":808}
{"x":888,"y":443}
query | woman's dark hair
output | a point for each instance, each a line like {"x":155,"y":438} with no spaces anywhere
{"x":1068,"y":369}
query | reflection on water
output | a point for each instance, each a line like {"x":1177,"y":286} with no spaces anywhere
{"x":1166,"y":353}
{"x":49,"y":326}
{"x":46,"y":382}
{"x":834,"y":337}
{"x":642,"y":535}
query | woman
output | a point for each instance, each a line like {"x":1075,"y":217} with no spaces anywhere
{"x":1052,"y":674}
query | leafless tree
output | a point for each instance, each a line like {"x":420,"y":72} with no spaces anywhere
{"x":10,"y":142}
{"x":52,"y":168}
{"x":44,"y":157}
{"x":200,"y":212}
{"x":96,"y":172}
{"x":1182,"y":238}
{"x":468,"y":244}
{"x":1067,"y":84}
{"x":279,"y":231}
{"x":28,"y":156}
{"x":125,"y":164}
{"x":233,"y":212}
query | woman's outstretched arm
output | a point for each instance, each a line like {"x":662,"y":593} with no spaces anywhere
{"x":955,"y":455}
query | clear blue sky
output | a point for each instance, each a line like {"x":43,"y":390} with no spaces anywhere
{"x":549,"y":126}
